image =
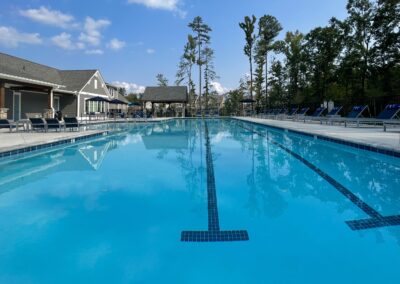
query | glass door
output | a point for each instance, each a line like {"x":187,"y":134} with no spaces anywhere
{"x":56,"y":103}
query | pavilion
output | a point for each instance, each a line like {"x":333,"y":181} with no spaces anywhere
{"x":167,"y":96}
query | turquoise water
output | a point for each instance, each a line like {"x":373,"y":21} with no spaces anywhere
{"x":113,"y":209}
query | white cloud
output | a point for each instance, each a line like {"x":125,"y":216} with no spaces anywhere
{"x":94,"y":51}
{"x":169,"y":5}
{"x":150,"y":51}
{"x":50,"y":17}
{"x":116,"y":44}
{"x":64,"y":41}
{"x":219,"y":88}
{"x":92,"y":28}
{"x":130,"y":87}
{"x":10,"y":37}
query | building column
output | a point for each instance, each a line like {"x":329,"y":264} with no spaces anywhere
{"x":50,"y":104}
{"x":78,"y":105}
{"x":2,"y":96}
{"x":3,"y":110}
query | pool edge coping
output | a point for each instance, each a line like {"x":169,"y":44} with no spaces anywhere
{"x":358,"y":145}
{"x":6,"y":154}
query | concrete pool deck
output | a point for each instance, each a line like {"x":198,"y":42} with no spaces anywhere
{"x":18,"y":140}
{"x":370,"y":136}
{"x":10,"y":141}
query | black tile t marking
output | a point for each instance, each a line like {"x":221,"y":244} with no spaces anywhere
{"x":214,"y":234}
{"x":376,"y":220}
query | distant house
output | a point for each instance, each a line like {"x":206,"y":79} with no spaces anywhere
{"x":167,"y":95}
{"x":31,"y":89}
{"x":119,"y":102}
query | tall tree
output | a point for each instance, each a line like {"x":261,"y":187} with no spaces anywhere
{"x":209,"y":72}
{"x":360,"y":39}
{"x":321,"y":49}
{"x":162,"y":81}
{"x":259,"y":78}
{"x":292,"y":48}
{"x":386,"y":50}
{"x":202,"y":38}
{"x":185,"y":67}
{"x":277,"y":84}
{"x":248,"y":27}
{"x":268,"y":29}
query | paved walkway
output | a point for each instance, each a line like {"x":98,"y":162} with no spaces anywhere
{"x":13,"y":141}
{"x":17,"y":140}
{"x":372,"y":136}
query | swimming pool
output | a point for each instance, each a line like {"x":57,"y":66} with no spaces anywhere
{"x":200,"y":201}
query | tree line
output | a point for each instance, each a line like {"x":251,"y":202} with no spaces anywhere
{"x":351,"y":61}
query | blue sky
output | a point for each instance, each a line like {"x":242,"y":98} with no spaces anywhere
{"x":131,"y":41}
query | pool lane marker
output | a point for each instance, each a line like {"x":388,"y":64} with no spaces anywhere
{"x":214,"y":234}
{"x":376,"y":220}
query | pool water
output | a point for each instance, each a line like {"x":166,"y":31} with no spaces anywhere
{"x":200,"y":201}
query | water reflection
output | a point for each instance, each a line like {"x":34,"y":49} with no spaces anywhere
{"x":375,"y":179}
{"x":272,"y":176}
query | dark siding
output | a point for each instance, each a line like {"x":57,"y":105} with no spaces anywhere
{"x":30,"y":102}
{"x":68,"y":104}
{"x":33,"y":103}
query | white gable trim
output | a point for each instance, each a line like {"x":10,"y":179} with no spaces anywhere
{"x":27,"y":80}
{"x":93,"y":95}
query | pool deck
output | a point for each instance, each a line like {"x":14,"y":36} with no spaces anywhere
{"x":370,"y":136}
{"x":18,"y":140}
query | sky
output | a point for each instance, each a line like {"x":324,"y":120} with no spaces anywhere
{"x":131,"y":41}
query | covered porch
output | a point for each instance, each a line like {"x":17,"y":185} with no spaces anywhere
{"x":20,"y":100}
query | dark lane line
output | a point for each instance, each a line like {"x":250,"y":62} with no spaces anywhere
{"x":376,"y":220}
{"x":214,"y":234}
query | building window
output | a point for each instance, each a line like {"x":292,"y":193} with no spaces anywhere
{"x":95,"y":84}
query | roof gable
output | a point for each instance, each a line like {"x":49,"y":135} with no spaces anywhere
{"x":75,"y":80}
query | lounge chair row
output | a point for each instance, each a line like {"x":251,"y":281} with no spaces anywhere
{"x":43,"y":124}
{"x":390,"y":116}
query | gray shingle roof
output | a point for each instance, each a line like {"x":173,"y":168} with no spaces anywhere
{"x":75,"y":80}
{"x":176,"y":94}
{"x":122,"y":98}
{"x":15,"y":66}
{"x":72,"y":80}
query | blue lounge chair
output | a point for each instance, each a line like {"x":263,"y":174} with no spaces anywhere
{"x":334,"y":113}
{"x":394,"y":112}
{"x":301,"y":113}
{"x":389,"y":116}
{"x":5,"y":123}
{"x":390,"y":112}
{"x":293,"y":111}
{"x":71,"y":123}
{"x":355,"y":114}
{"x":37,"y":124}
{"x":52,"y":123}
{"x":316,"y":115}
